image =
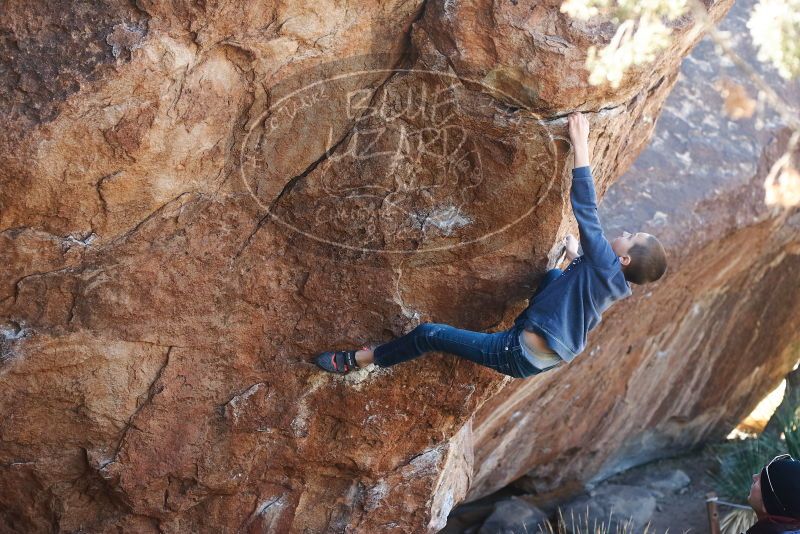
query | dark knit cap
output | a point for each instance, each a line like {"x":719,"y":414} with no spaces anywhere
{"x":785,"y":477}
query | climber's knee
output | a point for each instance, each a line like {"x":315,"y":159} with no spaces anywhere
{"x":424,"y":329}
{"x":428,"y":330}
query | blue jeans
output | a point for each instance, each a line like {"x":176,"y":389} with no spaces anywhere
{"x":499,"y":351}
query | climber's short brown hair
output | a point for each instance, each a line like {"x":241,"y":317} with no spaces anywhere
{"x":648,"y":262}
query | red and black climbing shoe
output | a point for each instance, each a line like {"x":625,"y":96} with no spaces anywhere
{"x":340,"y":361}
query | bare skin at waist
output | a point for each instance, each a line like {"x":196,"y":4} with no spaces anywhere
{"x":534,"y":340}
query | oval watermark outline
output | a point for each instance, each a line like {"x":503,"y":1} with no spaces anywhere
{"x":319,"y":239}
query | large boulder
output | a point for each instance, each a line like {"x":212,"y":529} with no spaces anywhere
{"x":195,"y":198}
{"x":683,"y":360}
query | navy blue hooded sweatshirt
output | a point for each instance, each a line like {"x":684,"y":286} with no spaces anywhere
{"x":564,"y":311}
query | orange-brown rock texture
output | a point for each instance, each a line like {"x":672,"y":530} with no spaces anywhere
{"x":682,"y":361}
{"x":197,"y":197}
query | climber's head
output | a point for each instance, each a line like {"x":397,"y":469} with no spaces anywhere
{"x":642,"y":257}
{"x":776,"y":489}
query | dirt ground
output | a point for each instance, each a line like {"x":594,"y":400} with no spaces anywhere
{"x":685,"y":511}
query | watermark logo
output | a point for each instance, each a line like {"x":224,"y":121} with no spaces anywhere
{"x":392,"y":161}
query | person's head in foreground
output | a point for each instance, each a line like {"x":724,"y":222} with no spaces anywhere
{"x":642,"y":257}
{"x":775,"y":491}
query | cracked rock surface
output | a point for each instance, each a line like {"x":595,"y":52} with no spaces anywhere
{"x":195,"y":199}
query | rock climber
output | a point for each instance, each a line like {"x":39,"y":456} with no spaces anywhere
{"x":567,"y":304}
{"x":775,"y":497}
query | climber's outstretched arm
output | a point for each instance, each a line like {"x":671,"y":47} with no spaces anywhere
{"x":596,"y":247}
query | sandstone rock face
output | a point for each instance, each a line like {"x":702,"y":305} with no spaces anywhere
{"x":196,"y":198}
{"x":681,"y":361}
